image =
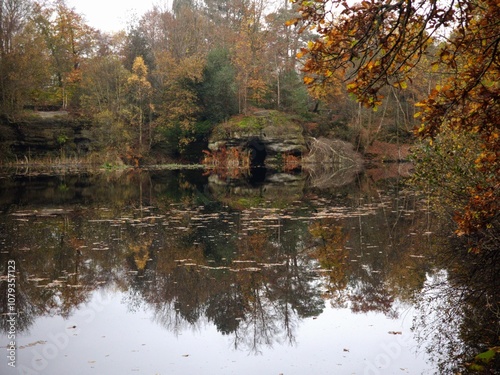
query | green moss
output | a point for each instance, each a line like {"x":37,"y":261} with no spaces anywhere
{"x":248,"y":202}
{"x":480,"y":362}
{"x":249,"y":123}
{"x":274,"y":122}
{"x":256,"y":201}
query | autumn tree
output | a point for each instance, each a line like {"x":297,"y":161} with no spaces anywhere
{"x":178,"y":104}
{"x":182,"y":32}
{"x":21,"y":60}
{"x":103,"y":98}
{"x":375,"y":44}
{"x":228,"y":13}
{"x":249,"y":58}
{"x":68,"y":40}
{"x":104,"y":85}
{"x":155,"y":29}
{"x":282,"y":44}
{"x":188,"y":35}
{"x":224,"y":20}
{"x":13,"y":16}
{"x":139,"y":89}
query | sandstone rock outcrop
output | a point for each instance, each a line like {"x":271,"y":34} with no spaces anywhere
{"x":265,"y":134}
{"x":44,"y":135}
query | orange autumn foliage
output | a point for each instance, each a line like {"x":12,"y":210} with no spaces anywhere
{"x":380,"y":43}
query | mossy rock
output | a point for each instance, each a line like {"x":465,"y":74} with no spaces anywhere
{"x":280,"y":132}
{"x":274,"y":122}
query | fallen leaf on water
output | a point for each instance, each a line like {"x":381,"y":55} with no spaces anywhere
{"x":32,"y":344}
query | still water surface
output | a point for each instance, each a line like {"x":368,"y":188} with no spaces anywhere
{"x":175,"y":272}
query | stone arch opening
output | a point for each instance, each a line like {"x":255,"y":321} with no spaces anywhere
{"x":257,"y":152}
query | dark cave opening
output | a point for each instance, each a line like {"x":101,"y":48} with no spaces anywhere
{"x":257,"y":153}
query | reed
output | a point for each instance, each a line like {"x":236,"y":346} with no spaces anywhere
{"x":229,"y":162}
{"x":53,"y":164}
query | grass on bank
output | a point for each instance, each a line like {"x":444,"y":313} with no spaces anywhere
{"x":88,"y":163}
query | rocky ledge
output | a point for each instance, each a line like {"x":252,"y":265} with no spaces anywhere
{"x":44,"y":134}
{"x":265,"y":134}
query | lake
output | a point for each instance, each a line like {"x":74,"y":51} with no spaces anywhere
{"x":182,"y":272}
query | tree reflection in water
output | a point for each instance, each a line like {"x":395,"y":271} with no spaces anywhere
{"x":257,"y":297}
{"x":252,"y":260}
{"x":459,"y":310}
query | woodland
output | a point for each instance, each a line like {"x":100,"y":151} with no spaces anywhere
{"x":417,"y":72}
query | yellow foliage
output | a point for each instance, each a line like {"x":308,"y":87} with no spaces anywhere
{"x":372,"y":55}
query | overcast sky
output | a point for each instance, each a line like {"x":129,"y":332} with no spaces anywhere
{"x":111,"y":15}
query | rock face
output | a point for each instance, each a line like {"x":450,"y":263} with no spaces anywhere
{"x":267,"y":135}
{"x":44,"y":135}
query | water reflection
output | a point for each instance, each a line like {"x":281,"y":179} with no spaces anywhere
{"x":253,"y":259}
{"x":460,"y":301}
